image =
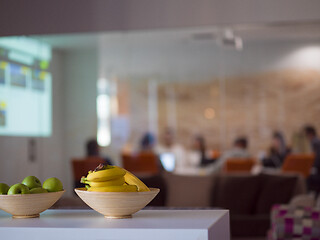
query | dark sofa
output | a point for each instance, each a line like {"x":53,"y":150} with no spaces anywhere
{"x":248,"y":197}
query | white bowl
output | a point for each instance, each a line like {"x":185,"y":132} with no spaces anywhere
{"x":117,"y":204}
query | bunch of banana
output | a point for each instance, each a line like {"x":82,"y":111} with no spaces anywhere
{"x":112,"y":179}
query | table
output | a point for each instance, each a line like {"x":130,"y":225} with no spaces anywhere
{"x":145,"y":224}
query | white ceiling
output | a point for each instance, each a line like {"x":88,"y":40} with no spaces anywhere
{"x":249,"y":33}
{"x":189,"y":54}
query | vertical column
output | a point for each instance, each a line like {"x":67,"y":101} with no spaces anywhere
{"x":171,"y":108}
{"x":153,"y":107}
{"x":103,"y":113}
{"x":222,"y":95}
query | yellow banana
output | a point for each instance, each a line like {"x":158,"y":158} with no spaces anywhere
{"x":112,"y":179}
{"x":123,"y":188}
{"x":105,"y":175}
{"x":133,"y":180}
{"x":113,"y":182}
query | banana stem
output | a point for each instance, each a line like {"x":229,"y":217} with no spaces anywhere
{"x":83,"y":180}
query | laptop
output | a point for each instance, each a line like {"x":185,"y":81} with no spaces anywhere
{"x":168,"y":161}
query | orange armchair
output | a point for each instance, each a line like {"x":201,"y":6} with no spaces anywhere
{"x":239,"y":165}
{"x":298,"y":163}
{"x":141,"y":163}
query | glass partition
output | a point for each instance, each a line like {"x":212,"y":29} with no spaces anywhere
{"x":218,"y":83}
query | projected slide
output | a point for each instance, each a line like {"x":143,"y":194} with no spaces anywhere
{"x":25,"y":93}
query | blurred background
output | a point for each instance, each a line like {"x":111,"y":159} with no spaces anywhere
{"x":183,"y":81}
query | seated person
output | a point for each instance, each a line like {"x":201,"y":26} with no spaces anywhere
{"x":239,"y":150}
{"x":170,"y":146}
{"x":92,"y":159}
{"x":313,"y":180}
{"x":277,"y":152}
{"x":198,"y":155}
{"x":146,"y":149}
{"x":147,"y":143}
{"x":93,"y":150}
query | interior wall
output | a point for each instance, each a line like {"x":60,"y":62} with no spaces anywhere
{"x":79,"y":90}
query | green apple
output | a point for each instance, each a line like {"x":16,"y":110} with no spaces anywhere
{"x":53,"y":185}
{"x":38,"y":190}
{"x":18,"y":188}
{"x":4,"y":188}
{"x":31,"y":182}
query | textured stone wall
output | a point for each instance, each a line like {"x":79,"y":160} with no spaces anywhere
{"x":253,"y":105}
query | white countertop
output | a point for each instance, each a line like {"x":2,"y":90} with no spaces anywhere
{"x":146,"y":224}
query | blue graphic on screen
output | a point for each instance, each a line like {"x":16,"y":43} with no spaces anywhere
{"x":18,"y":77}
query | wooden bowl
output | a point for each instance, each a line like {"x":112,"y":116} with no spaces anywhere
{"x":117,"y":204}
{"x":28,"y":205}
